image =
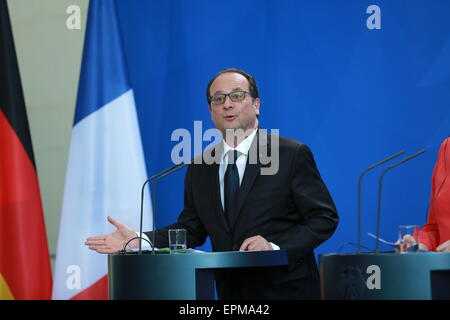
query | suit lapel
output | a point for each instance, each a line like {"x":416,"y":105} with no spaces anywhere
{"x":252,"y":170}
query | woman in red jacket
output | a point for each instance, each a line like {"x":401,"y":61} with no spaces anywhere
{"x":435,"y":234}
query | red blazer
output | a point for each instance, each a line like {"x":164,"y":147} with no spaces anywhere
{"x":437,"y":228}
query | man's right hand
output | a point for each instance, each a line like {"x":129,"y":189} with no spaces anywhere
{"x":113,"y":242}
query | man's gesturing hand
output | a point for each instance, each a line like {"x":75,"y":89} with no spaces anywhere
{"x":256,"y":243}
{"x":113,"y":242}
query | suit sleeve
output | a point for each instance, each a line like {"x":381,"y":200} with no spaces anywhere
{"x":188,"y":219}
{"x":317,"y":212}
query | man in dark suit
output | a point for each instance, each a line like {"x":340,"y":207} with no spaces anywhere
{"x":242,"y":205}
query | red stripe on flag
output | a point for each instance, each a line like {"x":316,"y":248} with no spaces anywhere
{"x":24,"y":258}
{"x":97,"y":291}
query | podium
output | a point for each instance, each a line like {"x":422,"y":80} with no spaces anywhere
{"x":182,"y":276}
{"x":407,"y":276}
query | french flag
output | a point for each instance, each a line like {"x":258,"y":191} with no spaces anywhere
{"x":106,"y":167}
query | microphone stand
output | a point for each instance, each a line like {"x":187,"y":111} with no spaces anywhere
{"x":359,"y":192}
{"x":379,"y":192}
{"x":174,"y":169}
{"x":164,"y":172}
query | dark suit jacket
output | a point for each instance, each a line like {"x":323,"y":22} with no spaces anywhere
{"x":293,"y":209}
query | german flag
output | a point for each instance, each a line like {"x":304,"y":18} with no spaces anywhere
{"x":24,"y":259}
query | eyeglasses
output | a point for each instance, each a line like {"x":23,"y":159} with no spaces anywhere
{"x":235,"y":96}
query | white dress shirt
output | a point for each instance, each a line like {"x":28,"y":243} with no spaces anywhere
{"x":241,"y":161}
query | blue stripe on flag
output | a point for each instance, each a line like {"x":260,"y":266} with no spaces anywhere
{"x":103,"y":75}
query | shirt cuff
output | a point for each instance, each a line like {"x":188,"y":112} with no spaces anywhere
{"x":274,"y":246}
{"x":143,"y":242}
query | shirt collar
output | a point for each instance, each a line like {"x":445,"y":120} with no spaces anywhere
{"x":243,"y":147}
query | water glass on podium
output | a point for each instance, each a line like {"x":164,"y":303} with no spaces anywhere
{"x":408,"y":243}
{"x":177,"y":240}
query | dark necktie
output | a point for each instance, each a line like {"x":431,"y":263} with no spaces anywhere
{"x":231,"y":186}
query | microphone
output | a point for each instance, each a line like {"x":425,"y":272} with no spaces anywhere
{"x":174,"y":169}
{"x":359,"y":192}
{"x":380,"y":183}
{"x":164,"y":172}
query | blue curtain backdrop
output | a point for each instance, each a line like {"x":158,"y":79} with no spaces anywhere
{"x":354,"y":95}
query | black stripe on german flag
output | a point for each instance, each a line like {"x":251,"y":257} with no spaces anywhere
{"x":24,"y":261}
{"x":12,"y":103}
